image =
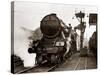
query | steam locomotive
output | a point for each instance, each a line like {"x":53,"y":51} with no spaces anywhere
{"x":58,"y":41}
{"x":93,"y":44}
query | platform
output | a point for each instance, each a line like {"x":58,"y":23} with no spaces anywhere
{"x":77,"y":62}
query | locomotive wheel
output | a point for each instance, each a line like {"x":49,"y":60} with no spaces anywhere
{"x":53,"y":59}
{"x":58,"y":59}
{"x":38,"y":59}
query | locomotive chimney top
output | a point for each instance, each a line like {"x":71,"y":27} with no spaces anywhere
{"x":53,"y":14}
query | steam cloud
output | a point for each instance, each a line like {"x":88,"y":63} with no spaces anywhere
{"x":21,"y":45}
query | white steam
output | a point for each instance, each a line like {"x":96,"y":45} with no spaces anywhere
{"x":21,"y":45}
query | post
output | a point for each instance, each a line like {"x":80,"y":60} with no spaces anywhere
{"x":82,"y":26}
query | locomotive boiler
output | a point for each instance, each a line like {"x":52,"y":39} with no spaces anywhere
{"x":54,"y":44}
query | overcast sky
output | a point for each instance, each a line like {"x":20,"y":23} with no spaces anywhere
{"x":29,"y":14}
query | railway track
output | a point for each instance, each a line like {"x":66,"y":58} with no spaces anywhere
{"x":38,"y":68}
{"x":74,"y":63}
{"x":78,"y":63}
{"x":81,"y":64}
{"x":44,"y":67}
{"x":24,"y":70}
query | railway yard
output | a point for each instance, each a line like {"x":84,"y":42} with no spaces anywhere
{"x":75,"y":62}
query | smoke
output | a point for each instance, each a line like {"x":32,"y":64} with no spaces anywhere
{"x":21,"y":45}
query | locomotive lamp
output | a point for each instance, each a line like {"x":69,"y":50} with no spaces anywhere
{"x":60,"y":43}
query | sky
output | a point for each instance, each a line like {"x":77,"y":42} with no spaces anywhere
{"x":29,"y":15}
